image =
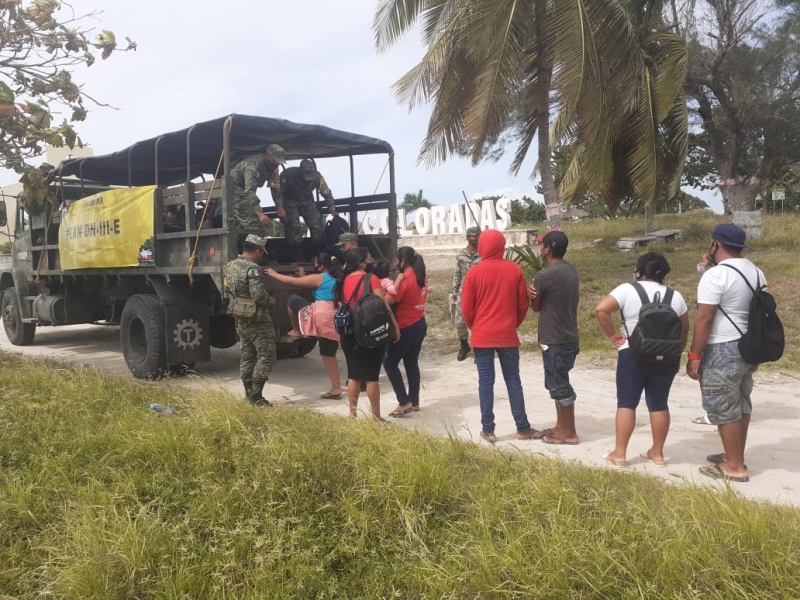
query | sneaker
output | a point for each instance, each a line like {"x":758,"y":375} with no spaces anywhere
{"x":489,"y":437}
{"x":531,"y":434}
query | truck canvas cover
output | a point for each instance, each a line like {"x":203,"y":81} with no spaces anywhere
{"x":136,"y":165}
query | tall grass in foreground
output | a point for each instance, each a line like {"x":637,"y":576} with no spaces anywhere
{"x":101,"y":498}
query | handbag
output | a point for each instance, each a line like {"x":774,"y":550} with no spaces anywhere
{"x":343,"y":319}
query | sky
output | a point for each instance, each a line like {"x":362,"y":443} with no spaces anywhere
{"x":308,"y":61}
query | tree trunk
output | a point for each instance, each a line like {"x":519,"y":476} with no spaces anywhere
{"x":738,"y":196}
{"x":544,"y":73}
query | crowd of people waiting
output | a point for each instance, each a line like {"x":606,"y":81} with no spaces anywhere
{"x":493,"y":298}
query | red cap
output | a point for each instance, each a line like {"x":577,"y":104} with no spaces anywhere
{"x":540,"y":238}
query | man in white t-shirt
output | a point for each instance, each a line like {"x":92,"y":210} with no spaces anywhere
{"x":726,"y":379}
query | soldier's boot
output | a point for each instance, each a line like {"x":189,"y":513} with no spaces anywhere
{"x":256,"y":396}
{"x":463,"y":351}
{"x":248,"y":387}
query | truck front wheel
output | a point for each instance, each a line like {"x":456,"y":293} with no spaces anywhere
{"x":17,"y":332}
{"x":142,"y":336}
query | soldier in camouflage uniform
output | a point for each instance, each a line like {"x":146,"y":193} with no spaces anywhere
{"x":467,"y":258}
{"x":247,"y":176}
{"x":296,"y":198}
{"x":243,"y":279}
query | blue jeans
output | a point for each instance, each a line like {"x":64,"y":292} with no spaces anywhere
{"x":558,"y":361}
{"x":407,"y":350}
{"x":509,"y":364}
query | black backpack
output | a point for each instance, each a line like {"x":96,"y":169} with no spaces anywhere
{"x":764,"y":340}
{"x":372,"y":324}
{"x":333,"y":229}
{"x":657,"y":336}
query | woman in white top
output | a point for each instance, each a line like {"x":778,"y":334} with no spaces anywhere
{"x":634,"y":377}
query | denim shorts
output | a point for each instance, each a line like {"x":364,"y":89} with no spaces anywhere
{"x":726,"y":382}
{"x":558,"y":362}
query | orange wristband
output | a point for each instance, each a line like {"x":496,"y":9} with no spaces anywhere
{"x":693,"y":356}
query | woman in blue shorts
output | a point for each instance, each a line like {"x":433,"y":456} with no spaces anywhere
{"x":634,"y":377}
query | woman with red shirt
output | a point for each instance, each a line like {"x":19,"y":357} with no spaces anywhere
{"x":363,"y":364}
{"x":409,"y":302}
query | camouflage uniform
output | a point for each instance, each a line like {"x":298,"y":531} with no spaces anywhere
{"x":256,"y":336}
{"x":297,"y":198}
{"x":464,"y":262}
{"x":247,"y":176}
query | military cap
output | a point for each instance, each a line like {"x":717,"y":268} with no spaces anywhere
{"x":347,"y":236}
{"x":277,"y":152}
{"x":308,"y":170}
{"x":252,"y":238}
{"x":473,"y":230}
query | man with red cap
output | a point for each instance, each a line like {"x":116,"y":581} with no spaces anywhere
{"x":554,"y":295}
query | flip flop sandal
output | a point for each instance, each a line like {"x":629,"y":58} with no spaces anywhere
{"x":329,"y":396}
{"x":701,"y":420}
{"x":400,"y":412}
{"x":659,"y":462}
{"x":716,"y":472}
{"x":556,"y":441}
{"x":542,"y":433}
{"x":716,"y":459}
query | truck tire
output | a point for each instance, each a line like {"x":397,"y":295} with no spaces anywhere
{"x":142,"y":336}
{"x":17,"y":332}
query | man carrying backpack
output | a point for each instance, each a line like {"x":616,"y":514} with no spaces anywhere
{"x":726,"y":379}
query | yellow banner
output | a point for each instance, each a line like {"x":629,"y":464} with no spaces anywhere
{"x":110,"y":229}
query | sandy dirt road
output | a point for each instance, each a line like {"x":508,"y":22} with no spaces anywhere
{"x":450,"y":406}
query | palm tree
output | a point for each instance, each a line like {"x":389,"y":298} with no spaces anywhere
{"x":412,"y":202}
{"x":497,"y":66}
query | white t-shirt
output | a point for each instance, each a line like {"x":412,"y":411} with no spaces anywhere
{"x":629,"y":303}
{"x":725,"y":288}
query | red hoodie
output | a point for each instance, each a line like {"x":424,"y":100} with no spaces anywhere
{"x":493,"y":298}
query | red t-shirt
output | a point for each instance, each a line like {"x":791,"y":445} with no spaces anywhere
{"x":351,"y":282}
{"x":410,"y":300}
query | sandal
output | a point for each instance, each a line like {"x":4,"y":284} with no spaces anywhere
{"x":702,"y":420}
{"x":400,"y":412}
{"x":716,"y":472}
{"x":329,"y":396}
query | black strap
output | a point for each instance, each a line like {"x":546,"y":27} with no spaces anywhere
{"x":752,"y":289}
{"x":366,"y":289}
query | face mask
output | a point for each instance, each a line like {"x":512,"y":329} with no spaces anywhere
{"x":369,"y":266}
{"x":701,"y":269}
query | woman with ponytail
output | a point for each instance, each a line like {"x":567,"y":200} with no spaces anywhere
{"x":409,"y":303}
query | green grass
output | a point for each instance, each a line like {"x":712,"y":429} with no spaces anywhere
{"x":602,"y":267}
{"x":101,"y":498}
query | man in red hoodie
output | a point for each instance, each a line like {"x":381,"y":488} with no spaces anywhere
{"x":494,"y":303}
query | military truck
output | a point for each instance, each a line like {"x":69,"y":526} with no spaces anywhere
{"x":105,"y":252}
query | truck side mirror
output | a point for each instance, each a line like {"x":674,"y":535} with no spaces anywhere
{"x":3,"y":215}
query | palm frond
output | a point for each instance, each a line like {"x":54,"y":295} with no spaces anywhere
{"x":639,"y":140}
{"x":672,"y":59}
{"x":393,"y":18}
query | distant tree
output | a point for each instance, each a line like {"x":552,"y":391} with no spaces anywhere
{"x":412,"y":202}
{"x":744,"y":89}
{"x":527,"y":210}
{"x":39,"y":46}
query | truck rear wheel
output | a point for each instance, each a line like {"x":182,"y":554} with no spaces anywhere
{"x":17,"y":332}
{"x":142,"y":336}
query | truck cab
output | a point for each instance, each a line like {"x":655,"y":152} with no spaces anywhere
{"x":139,"y":239}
